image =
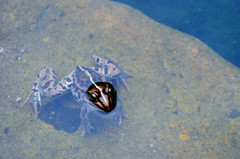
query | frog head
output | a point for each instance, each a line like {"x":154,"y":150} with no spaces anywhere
{"x":103,"y":95}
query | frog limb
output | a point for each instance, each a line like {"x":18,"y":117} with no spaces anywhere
{"x":86,"y":109}
{"x":45,"y":86}
{"x":119,"y":114}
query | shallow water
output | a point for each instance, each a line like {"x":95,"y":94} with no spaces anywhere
{"x":183,"y":94}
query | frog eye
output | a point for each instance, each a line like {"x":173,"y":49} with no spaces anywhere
{"x":94,"y":95}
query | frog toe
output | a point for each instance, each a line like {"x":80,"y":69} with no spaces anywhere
{"x":35,"y":99}
{"x":87,"y":129}
{"x":120,"y":117}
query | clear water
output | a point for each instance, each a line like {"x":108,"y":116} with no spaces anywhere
{"x":184,"y":100}
{"x":215,"y":22}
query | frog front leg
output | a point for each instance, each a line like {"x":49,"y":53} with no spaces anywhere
{"x":86,"y":109}
{"x":45,"y":86}
{"x":81,"y":97}
{"x":118,"y":112}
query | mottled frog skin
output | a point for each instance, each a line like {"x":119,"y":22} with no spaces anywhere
{"x":78,"y":82}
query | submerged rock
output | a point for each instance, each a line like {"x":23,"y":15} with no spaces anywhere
{"x":172,"y":71}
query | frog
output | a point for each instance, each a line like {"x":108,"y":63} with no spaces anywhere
{"x":78,"y":82}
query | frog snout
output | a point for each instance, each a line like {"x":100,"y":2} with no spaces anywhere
{"x":105,"y":102}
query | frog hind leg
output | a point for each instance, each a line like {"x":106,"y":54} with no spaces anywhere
{"x":122,"y":78}
{"x":35,"y":99}
{"x":45,"y":79}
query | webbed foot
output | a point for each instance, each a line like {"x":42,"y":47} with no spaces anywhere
{"x":35,"y":98}
{"x":119,"y":114}
{"x":123,"y":76}
{"x":87,"y":127}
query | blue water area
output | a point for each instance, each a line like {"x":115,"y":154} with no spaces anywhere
{"x":215,"y":22}
{"x":60,"y":116}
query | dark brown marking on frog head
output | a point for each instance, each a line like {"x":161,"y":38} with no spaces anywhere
{"x":103,"y":95}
